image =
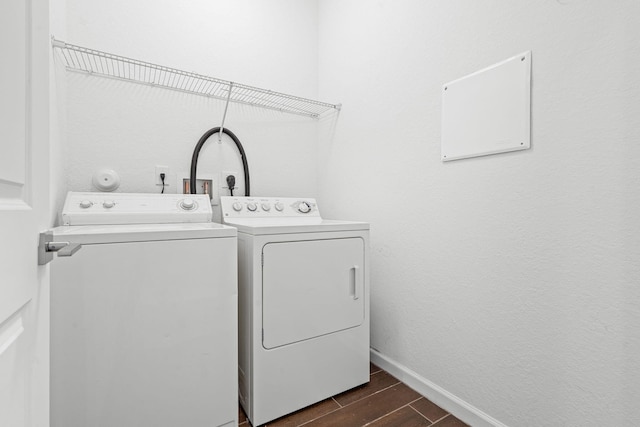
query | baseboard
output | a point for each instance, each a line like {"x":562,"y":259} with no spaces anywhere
{"x":441,"y":397}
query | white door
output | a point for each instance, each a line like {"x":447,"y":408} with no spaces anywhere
{"x":311,"y":288}
{"x":24,"y":206}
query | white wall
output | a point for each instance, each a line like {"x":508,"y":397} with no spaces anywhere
{"x":511,"y":281}
{"x":132,"y":128}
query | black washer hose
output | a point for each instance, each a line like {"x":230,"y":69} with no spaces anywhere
{"x":196,"y":153}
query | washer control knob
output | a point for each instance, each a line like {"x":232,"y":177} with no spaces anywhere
{"x":187,"y":204}
{"x":266,"y":207}
{"x":237,"y":207}
{"x":86,"y":204}
{"x":108,"y":204}
{"x":279,"y":206}
{"x":304,"y":207}
{"x":252,"y":207}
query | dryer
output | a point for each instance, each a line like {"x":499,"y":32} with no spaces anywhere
{"x":303,"y":289}
{"x":144,"y":316}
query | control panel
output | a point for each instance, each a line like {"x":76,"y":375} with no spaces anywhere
{"x":84,"y":208}
{"x":268,"y":207}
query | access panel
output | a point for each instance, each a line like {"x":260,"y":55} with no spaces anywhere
{"x":311,"y":288}
{"x":489,"y":111}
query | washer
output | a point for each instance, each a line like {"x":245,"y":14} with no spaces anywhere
{"x":303,"y":286}
{"x":144,"y":315}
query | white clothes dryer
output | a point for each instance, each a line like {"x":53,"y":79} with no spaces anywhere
{"x":303,"y":289}
{"x":144,"y":316}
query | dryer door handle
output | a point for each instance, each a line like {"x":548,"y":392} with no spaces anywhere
{"x":357,"y":278}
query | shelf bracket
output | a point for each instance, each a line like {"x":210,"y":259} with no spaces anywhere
{"x":57,"y":43}
{"x":224,"y":115}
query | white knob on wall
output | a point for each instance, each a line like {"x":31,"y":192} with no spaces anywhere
{"x":106,"y":180}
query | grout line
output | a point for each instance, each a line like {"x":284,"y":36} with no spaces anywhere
{"x":415,"y":400}
{"x":427,"y":418}
{"x":338,"y":403}
{"x":439,"y":419}
{"x":318,"y":417}
{"x":375,"y":392}
{"x":342,"y":407}
{"x":421,"y":414}
{"x":395,"y":410}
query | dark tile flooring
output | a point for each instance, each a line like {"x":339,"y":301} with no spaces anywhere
{"x":383,"y":402}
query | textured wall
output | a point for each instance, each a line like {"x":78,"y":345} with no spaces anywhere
{"x":132,"y":128}
{"x":510,"y":280}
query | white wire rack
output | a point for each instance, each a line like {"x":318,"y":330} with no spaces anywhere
{"x":82,"y":59}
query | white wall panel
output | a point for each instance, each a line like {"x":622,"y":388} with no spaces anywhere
{"x":489,"y":111}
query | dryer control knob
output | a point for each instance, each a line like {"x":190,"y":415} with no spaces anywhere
{"x":187,"y":204}
{"x":108,"y":204}
{"x":266,"y":207}
{"x":304,"y":207}
{"x":279,"y":206}
{"x":252,"y":207}
{"x":85,"y":204}
{"x":237,"y":207}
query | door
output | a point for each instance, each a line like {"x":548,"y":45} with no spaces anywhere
{"x":24,"y":205}
{"x":311,"y":288}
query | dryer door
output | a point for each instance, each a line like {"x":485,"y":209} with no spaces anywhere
{"x":311,"y":288}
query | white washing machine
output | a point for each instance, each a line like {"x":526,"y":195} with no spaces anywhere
{"x":303,"y":287}
{"x":144,"y":315}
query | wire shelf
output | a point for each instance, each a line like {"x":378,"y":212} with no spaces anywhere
{"x":82,"y":59}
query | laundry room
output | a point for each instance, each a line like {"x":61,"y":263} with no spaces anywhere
{"x":498,"y":288}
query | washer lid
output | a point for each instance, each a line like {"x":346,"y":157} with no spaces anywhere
{"x":90,"y":234}
{"x":260,"y":226}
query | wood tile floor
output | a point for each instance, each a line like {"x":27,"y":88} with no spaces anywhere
{"x":383,"y":402}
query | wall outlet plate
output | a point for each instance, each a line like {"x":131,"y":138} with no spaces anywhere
{"x":223,"y":181}
{"x":165,"y":170}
